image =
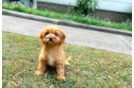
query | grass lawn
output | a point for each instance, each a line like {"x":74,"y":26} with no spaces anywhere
{"x":90,"y":68}
{"x":72,"y":17}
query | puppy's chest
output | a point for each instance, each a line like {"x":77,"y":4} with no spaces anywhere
{"x":52,"y":58}
{"x":50,"y":61}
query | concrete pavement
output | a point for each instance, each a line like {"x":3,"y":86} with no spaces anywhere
{"x":77,"y":36}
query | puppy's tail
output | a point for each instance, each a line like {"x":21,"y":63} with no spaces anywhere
{"x":67,"y":61}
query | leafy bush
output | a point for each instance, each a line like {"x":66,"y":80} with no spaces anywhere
{"x":86,"y":6}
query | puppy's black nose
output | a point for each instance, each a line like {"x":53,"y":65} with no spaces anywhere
{"x":50,"y":38}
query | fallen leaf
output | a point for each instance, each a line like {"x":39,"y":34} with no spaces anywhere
{"x":89,"y":61}
{"x":69,"y":58}
{"x":122,"y":65}
{"x":13,"y":80}
{"x":51,"y":86}
{"x":76,"y":76}
{"x":16,"y":84}
{"x":32,"y":61}
{"x":96,"y":62}
{"x":76,"y":59}
{"x":78,"y":70}
{"x":29,"y":68}
{"x":116,"y":73}
{"x":67,"y":63}
{"x":114,"y":66}
{"x":110,"y":77}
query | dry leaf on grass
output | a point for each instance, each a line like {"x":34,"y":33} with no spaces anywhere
{"x":69,"y":58}
{"x":116,"y":73}
{"x":110,"y":77}
{"x":76,"y":76}
{"x":122,"y":65}
{"x":106,"y":72}
{"x":96,"y":62}
{"x":89,"y":61}
{"x":76,"y":59}
{"x":32,"y":61}
{"x":52,"y":86}
{"x":67,"y":61}
{"x":114,"y":66}
{"x":78,"y":70}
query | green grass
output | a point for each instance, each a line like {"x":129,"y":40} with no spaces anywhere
{"x":90,"y":68}
{"x":72,"y":17}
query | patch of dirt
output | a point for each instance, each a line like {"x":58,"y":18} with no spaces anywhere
{"x":6,"y":60}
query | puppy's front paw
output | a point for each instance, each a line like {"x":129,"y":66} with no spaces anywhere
{"x":37,"y":72}
{"x":61,"y":77}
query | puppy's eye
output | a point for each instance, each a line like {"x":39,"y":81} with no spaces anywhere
{"x":47,"y":33}
{"x":56,"y":34}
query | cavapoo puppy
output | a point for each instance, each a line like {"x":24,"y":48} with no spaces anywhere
{"x":52,"y":53}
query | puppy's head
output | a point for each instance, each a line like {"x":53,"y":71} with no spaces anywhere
{"x":51,"y":36}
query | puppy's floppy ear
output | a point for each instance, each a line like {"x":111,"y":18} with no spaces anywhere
{"x":63,"y":36}
{"x":41,"y":36}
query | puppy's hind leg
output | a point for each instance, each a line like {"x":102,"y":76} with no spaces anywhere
{"x":41,"y":68}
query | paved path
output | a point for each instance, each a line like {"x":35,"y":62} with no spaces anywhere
{"x":76,"y":36}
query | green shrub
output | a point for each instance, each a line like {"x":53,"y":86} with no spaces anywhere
{"x":86,"y":6}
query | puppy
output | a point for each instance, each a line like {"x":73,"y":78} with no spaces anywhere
{"x":52,"y":53}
